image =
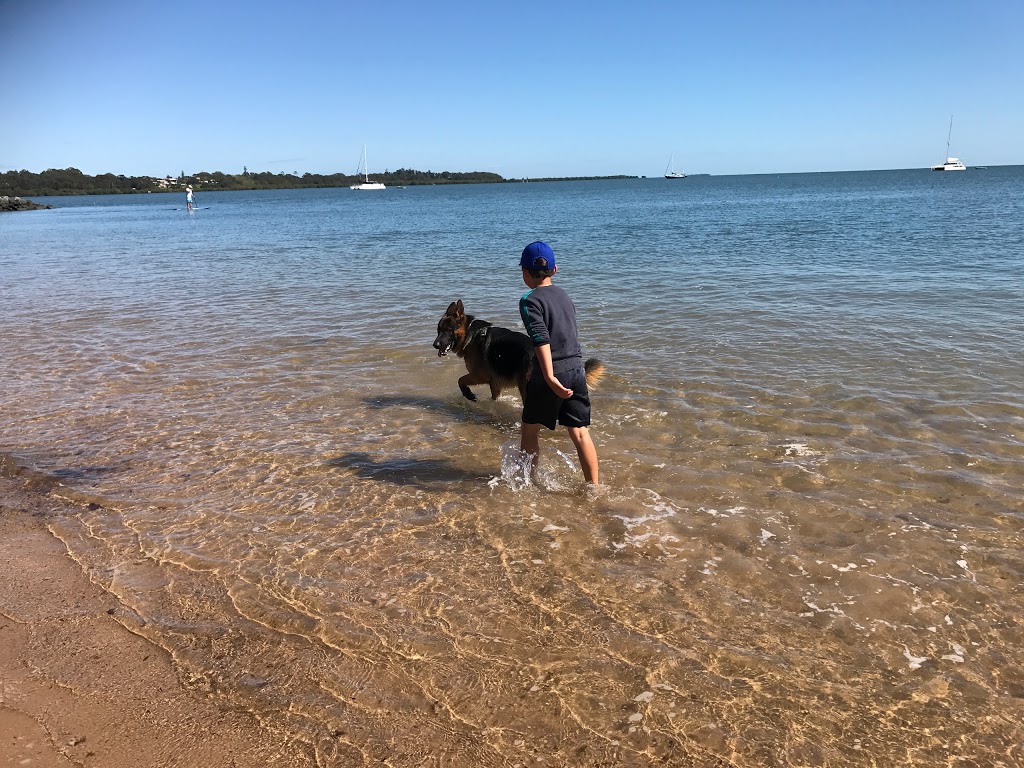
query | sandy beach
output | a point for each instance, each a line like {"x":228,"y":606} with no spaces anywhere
{"x":77,"y":688}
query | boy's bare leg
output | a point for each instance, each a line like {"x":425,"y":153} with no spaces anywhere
{"x":529,"y":442}
{"x":585,"y":449}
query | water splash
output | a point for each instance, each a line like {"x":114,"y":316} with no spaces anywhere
{"x":518,"y":472}
{"x":516,"y":468}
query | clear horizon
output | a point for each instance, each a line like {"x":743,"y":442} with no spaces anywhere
{"x":539,"y":91}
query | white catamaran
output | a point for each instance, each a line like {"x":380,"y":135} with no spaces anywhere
{"x":670,"y":172}
{"x":366,"y":183}
{"x":952,"y":163}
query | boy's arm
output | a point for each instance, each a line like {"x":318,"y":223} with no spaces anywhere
{"x":546,"y":368}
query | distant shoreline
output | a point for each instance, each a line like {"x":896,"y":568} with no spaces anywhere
{"x":72,"y":182}
{"x":343,"y":186}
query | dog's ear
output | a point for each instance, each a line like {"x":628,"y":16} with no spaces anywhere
{"x":452,"y":308}
{"x":459,"y":308}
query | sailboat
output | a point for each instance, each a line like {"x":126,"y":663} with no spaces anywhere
{"x":952,"y":163}
{"x":670,"y":172}
{"x":365,"y":183}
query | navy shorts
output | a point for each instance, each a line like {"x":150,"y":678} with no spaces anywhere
{"x":542,"y":406}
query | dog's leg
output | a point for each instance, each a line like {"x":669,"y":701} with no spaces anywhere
{"x":466,"y":381}
{"x":495,"y":390}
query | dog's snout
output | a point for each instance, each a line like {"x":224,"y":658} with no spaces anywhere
{"x":442,"y":345}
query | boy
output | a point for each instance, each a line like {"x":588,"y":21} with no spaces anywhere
{"x":557,"y":388}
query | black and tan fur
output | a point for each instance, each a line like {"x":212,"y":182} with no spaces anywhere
{"x":495,"y":356}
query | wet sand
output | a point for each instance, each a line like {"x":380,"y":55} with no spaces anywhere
{"x":77,"y":688}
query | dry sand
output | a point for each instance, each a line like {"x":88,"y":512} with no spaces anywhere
{"x":77,"y":688}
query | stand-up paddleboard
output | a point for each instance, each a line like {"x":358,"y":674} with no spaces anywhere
{"x":194,"y":208}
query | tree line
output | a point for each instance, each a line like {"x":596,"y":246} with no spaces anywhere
{"x":71,"y":181}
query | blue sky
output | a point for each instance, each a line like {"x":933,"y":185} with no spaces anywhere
{"x":525,"y":89}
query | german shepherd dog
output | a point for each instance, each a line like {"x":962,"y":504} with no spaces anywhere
{"x":494,"y":356}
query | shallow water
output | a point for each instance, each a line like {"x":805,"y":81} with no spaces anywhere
{"x":808,"y":549}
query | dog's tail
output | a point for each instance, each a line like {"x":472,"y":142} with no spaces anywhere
{"x":595,"y":372}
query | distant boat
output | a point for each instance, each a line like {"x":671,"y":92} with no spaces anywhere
{"x":671,"y":172}
{"x":952,"y":163}
{"x":366,"y":183}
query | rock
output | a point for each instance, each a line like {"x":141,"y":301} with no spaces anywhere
{"x":17,"y":204}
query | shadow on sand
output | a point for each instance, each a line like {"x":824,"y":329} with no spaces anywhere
{"x":484,"y":411}
{"x":429,"y":474}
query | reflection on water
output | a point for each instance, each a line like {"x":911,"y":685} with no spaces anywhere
{"x":808,"y":551}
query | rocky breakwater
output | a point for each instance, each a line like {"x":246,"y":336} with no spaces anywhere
{"x":17,"y":204}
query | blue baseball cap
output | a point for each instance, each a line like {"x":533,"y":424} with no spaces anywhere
{"x":536,"y":251}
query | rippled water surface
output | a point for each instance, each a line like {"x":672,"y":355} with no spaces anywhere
{"x":808,"y":550}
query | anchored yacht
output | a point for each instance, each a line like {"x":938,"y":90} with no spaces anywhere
{"x":952,"y":163}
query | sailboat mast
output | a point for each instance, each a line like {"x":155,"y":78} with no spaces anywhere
{"x":949,"y":135}
{"x":366,"y":167}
